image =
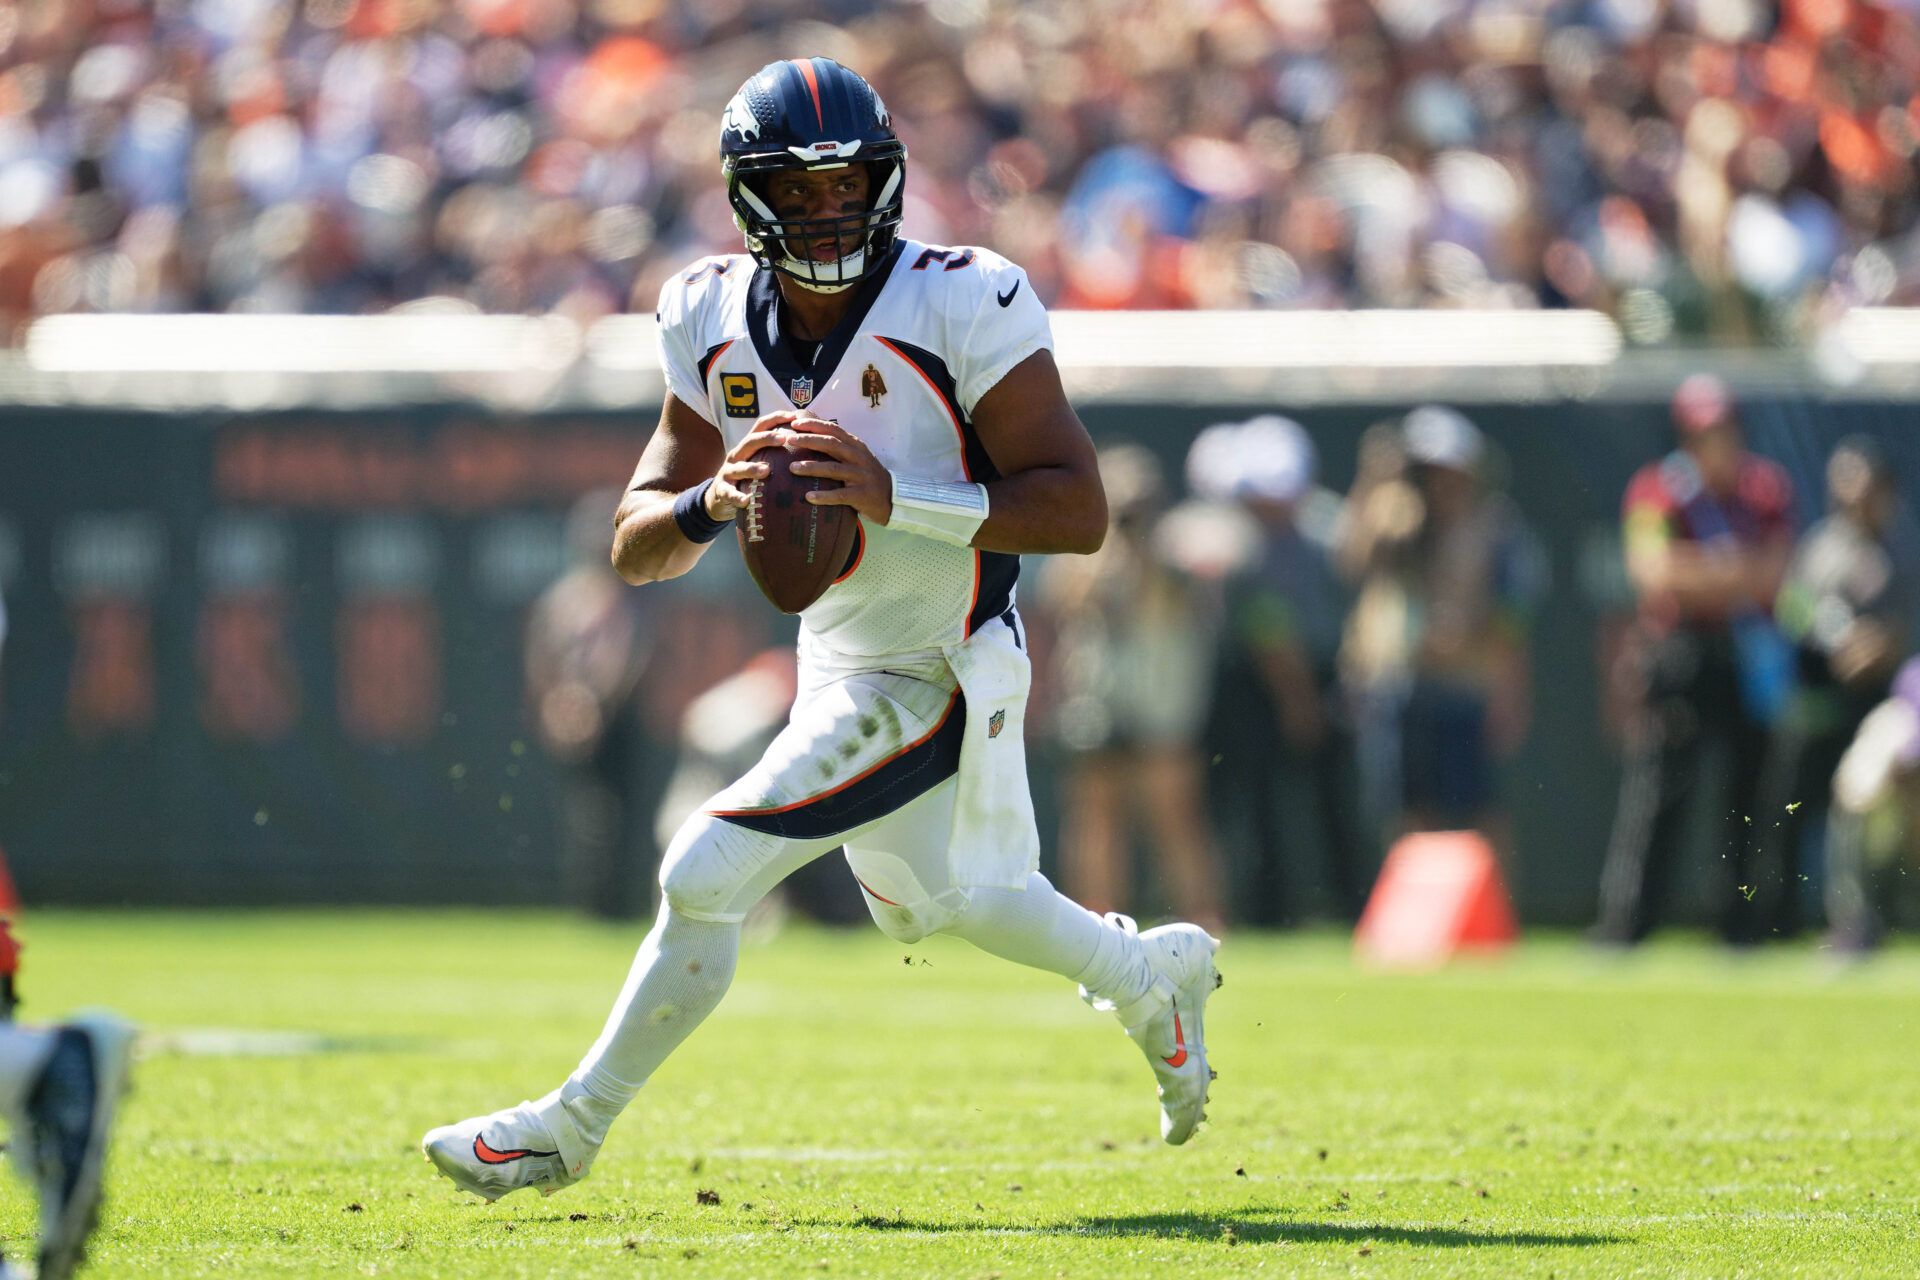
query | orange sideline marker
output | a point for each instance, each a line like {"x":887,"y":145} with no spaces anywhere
{"x":1439,"y":893}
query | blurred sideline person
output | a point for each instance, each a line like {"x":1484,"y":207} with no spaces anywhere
{"x":1873,"y":830}
{"x":1436,"y":648}
{"x":1847,"y":605}
{"x":59,"y":1086}
{"x":1707,"y":533}
{"x":586,"y":651}
{"x":1134,"y":642}
{"x":1280,"y":713}
{"x":906,"y":743}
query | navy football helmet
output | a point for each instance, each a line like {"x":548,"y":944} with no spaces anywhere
{"x":812,"y":113}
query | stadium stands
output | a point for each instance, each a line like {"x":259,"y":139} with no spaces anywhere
{"x":1737,"y":170}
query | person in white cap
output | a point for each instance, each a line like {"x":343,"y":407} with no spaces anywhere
{"x":1280,"y":672}
{"x":1436,"y":648}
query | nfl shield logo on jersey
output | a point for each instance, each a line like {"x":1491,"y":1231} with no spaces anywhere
{"x":800,"y":391}
{"x":995,"y":722}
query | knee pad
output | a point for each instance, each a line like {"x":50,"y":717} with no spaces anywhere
{"x":709,"y":867}
{"x":900,"y":905}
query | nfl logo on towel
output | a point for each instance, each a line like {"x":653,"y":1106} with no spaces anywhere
{"x":800,"y":391}
{"x":994,"y":723}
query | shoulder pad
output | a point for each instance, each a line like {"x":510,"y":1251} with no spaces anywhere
{"x":689,"y":294}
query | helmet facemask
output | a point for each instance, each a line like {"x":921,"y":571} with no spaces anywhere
{"x":782,"y":244}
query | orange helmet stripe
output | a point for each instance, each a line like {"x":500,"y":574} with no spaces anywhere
{"x":813,"y":87}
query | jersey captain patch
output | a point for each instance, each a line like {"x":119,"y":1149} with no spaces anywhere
{"x":741,"y":394}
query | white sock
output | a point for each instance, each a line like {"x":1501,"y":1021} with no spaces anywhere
{"x":682,"y":970}
{"x":1044,"y":929}
{"x":23,"y":1052}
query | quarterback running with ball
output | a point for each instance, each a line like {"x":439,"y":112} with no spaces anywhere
{"x":925,"y":375}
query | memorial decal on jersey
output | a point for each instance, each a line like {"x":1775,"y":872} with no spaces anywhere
{"x":800,"y":391}
{"x":873,"y":386}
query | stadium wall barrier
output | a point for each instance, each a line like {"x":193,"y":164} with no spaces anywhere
{"x":272,"y":654}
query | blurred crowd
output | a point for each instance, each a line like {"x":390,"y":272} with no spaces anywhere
{"x":1737,"y":168}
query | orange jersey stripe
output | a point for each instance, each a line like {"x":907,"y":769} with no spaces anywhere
{"x":719,"y":355}
{"x":871,"y":894}
{"x":973,"y":601}
{"x":859,"y":552}
{"x":958,"y":435}
{"x":941,"y":400}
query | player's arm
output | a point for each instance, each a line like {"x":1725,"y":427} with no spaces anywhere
{"x":685,"y":488}
{"x":1706,"y":579}
{"x":1048,"y":497}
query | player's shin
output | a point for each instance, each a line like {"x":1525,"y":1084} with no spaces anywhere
{"x":682,"y":970}
{"x":1044,"y":929}
{"x":1156,"y":984}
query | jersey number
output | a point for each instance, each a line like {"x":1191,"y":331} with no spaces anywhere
{"x":711,"y":269}
{"x":961,"y":258}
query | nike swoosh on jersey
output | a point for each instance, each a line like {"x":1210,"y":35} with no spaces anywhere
{"x":487,"y":1155}
{"x":1007,"y":297}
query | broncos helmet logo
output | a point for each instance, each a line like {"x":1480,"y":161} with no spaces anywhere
{"x":739,"y":118}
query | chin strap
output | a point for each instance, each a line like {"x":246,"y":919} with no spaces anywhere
{"x":946,"y":511}
{"x":847,"y":272}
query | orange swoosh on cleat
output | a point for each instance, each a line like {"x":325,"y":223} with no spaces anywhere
{"x":487,"y":1155}
{"x":1179,"y":1058}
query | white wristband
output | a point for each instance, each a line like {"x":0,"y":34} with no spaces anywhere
{"x":946,"y":511}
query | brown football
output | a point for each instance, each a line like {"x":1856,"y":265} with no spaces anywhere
{"x":794,"y":549}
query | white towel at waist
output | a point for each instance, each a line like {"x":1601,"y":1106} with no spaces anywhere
{"x":995,"y":841}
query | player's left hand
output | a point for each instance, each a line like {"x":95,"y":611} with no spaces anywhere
{"x":865,"y":485}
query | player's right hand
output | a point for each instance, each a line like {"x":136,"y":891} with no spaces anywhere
{"x":727,"y":495}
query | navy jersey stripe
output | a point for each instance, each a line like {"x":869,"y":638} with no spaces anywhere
{"x":907,"y":776}
{"x":998,"y":572}
{"x":777,"y":353}
{"x":979,"y":465}
{"x":713,"y":353}
{"x":997,"y":568}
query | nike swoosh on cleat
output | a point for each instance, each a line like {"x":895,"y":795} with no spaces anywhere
{"x":1179,"y":1058}
{"x":487,"y":1155}
{"x":1007,"y":297}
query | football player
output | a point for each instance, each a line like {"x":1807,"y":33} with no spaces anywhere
{"x":926,"y":376}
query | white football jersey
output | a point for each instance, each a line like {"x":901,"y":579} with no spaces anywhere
{"x":926,"y":337}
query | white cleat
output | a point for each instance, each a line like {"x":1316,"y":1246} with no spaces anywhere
{"x":535,"y":1144}
{"x":61,"y":1138}
{"x":1169,"y":1022}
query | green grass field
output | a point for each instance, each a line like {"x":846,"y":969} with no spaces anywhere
{"x":1675,"y":1113}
